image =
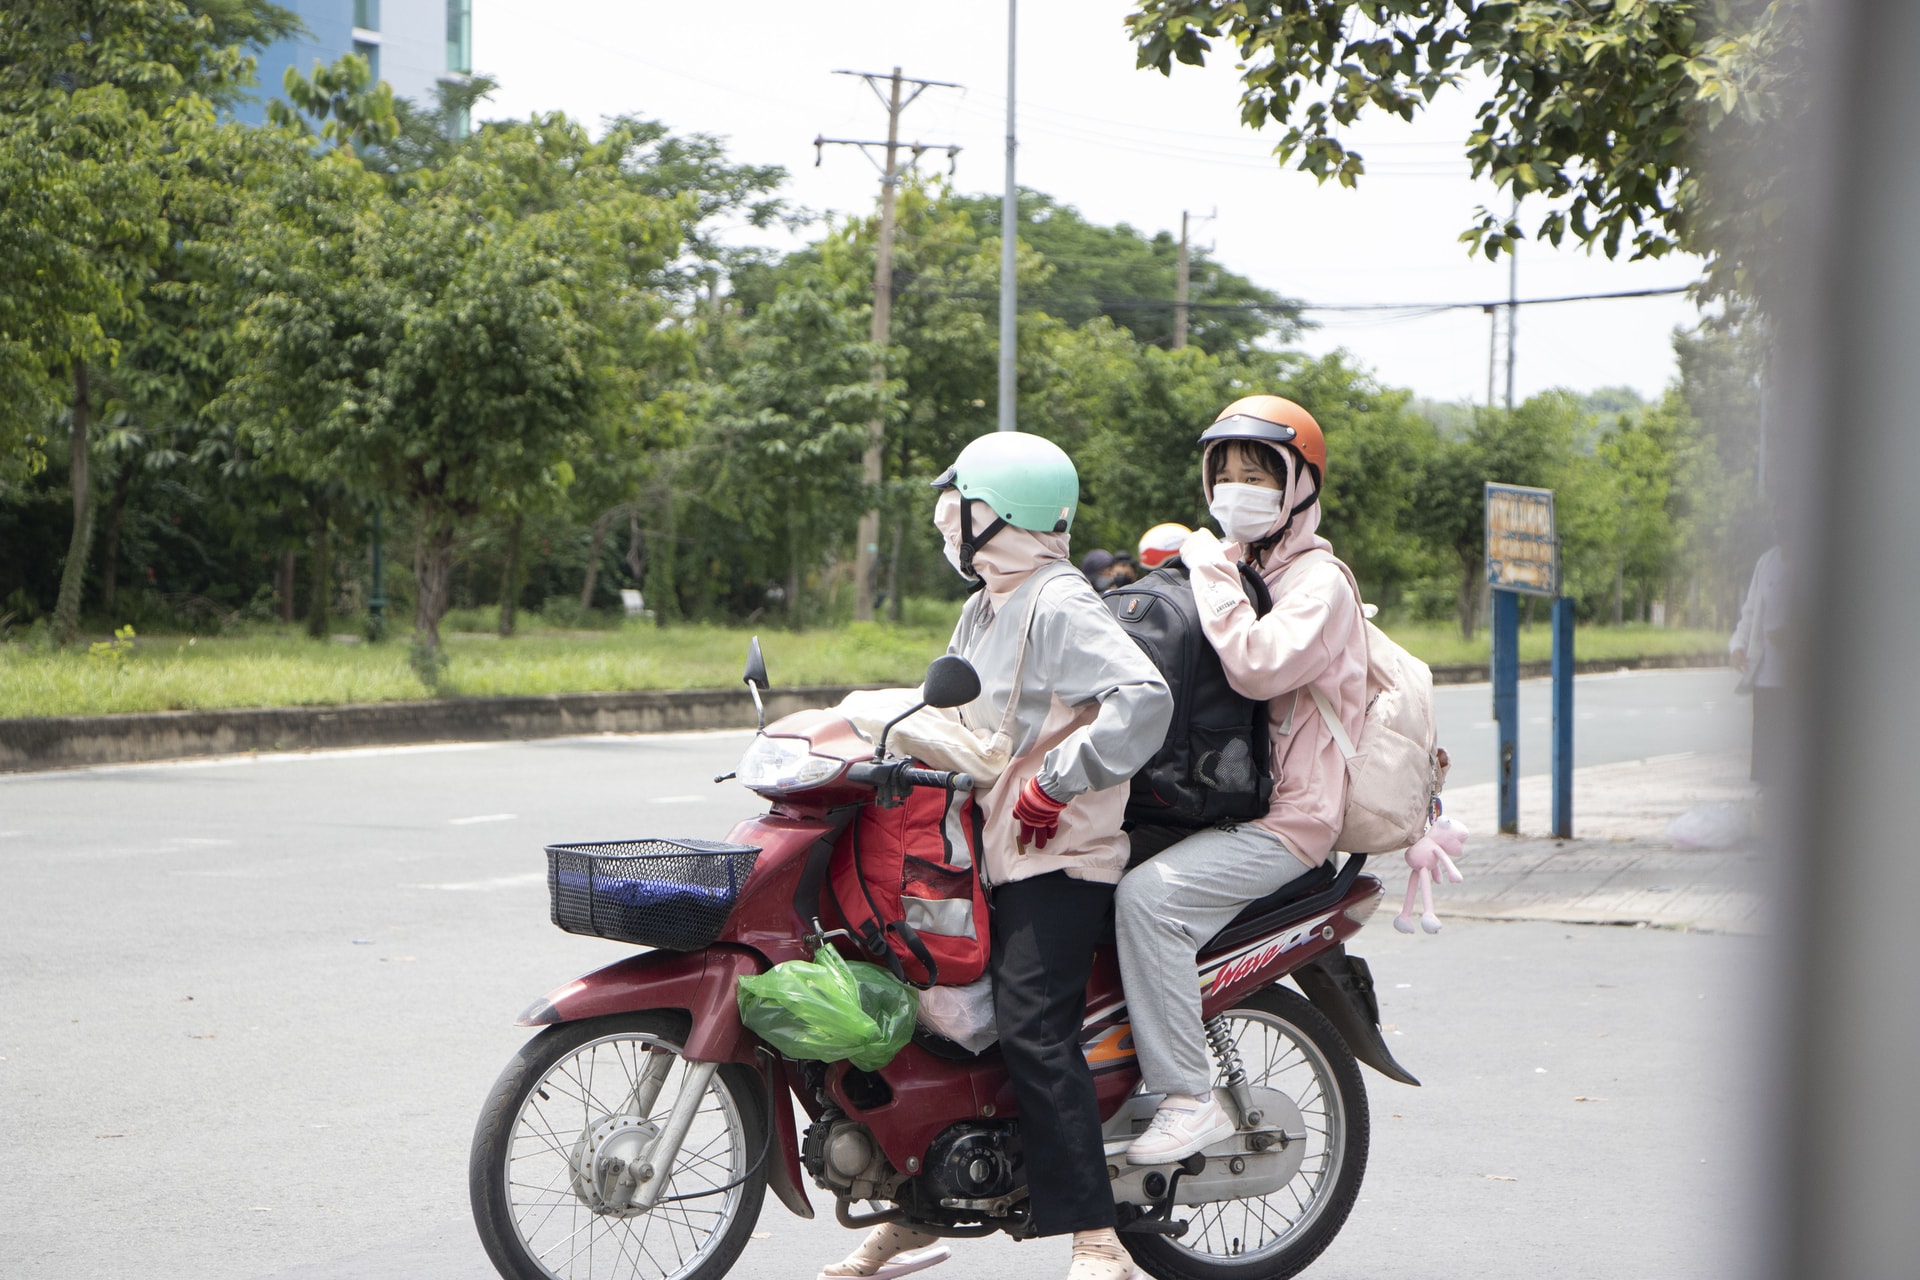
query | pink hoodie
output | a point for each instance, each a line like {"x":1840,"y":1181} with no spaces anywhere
{"x":1311,"y":637}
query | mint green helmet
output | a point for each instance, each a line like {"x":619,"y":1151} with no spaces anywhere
{"x":1028,"y":480}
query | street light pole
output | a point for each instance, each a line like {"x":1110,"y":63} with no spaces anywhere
{"x":1009,"y":224}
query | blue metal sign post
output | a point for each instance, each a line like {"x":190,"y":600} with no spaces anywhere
{"x":1563,"y":717}
{"x":1523,"y":558}
{"x":1506,"y":705}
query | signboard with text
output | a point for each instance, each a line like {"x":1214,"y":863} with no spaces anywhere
{"x":1523,"y":553}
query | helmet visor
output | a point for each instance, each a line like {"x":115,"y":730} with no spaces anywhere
{"x":1240,"y":426}
{"x":944,"y":480}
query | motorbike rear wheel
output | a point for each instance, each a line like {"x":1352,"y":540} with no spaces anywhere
{"x":580,"y":1090}
{"x":1287,"y":1044}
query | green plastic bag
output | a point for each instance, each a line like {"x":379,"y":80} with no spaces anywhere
{"x":828,"y":1009}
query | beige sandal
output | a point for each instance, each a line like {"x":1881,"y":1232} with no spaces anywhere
{"x":889,"y":1250}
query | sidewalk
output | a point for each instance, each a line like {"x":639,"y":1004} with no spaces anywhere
{"x":1621,"y":868}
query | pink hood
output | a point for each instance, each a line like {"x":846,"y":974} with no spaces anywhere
{"x":1013,"y":553}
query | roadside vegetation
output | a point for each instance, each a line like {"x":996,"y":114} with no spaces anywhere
{"x":277,"y":364}
{"x":276,"y":665}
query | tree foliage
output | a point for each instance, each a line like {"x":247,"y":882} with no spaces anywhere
{"x":1603,"y":112}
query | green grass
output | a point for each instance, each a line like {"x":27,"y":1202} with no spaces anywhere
{"x":283,"y":668}
{"x":1439,"y":643}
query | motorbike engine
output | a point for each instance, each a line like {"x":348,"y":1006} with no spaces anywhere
{"x":970,"y":1166}
{"x":843,"y":1157}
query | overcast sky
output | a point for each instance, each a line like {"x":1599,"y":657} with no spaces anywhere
{"x":1119,"y":144}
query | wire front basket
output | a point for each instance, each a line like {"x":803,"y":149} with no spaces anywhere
{"x":675,"y":895}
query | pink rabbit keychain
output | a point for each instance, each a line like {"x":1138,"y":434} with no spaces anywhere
{"x":1430,"y":859}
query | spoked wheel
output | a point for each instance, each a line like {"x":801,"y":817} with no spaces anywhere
{"x":1285,"y":1044}
{"x":580,"y":1103}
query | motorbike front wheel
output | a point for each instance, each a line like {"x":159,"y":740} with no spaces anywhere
{"x":578,"y":1094}
{"x":1286,"y":1044}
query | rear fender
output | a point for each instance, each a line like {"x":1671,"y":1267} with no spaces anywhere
{"x":698,"y":983}
{"x":1341,"y":986}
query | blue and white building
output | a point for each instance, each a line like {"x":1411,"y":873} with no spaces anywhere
{"x":412,"y":44}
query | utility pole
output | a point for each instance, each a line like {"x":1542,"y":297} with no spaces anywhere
{"x":1493,"y":348}
{"x":1181,"y":281}
{"x":1009,"y":283}
{"x":868,"y":537}
{"x":1513,"y":301}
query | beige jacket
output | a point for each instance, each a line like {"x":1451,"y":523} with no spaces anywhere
{"x":1090,"y":709}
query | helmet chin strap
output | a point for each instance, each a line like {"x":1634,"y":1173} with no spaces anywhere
{"x":971,"y":542}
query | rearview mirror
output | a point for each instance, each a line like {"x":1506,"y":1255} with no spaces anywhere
{"x":951,"y":682}
{"x":756,"y":680}
{"x":756,"y":674}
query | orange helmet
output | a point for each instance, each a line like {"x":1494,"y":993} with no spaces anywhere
{"x":1273,"y":420}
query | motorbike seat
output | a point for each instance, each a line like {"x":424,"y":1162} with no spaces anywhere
{"x":1267,"y":915}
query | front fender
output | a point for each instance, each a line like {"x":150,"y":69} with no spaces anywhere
{"x":698,"y":983}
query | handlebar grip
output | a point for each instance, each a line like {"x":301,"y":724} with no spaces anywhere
{"x":937,"y":778}
{"x":874,"y":774}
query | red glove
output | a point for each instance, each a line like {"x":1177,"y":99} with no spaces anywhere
{"x":1038,"y":815}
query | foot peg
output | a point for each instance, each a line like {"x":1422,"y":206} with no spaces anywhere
{"x":1157,"y":1219}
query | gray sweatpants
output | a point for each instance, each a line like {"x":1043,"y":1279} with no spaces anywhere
{"x":1166,"y":910}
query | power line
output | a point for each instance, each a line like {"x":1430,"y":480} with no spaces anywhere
{"x":1293,"y":305}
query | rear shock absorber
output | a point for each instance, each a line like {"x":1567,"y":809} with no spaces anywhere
{"x":1239,"y":1088}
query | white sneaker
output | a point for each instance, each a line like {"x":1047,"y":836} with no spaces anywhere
{"x":1179,"y":1128}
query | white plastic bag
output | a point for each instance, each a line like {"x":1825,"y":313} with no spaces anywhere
{"x":963,"y":1015}
{"x":1711,"y":826}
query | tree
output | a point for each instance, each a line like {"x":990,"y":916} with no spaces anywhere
{"x":1119,"y":273}
{"x":1604,"y":112}
{"x":450,"y":349}
{"x":95,"y":99}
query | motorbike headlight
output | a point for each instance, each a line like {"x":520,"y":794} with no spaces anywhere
{"x":785,"y":764}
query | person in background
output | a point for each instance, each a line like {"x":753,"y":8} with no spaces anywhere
{"x":1123,"y":571}
{"x":1097,"y":567}
{"x":1759,"y":650}
{"x":1161,"y":544}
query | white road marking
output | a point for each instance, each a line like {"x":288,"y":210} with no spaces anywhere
{"x":481,"y":817}
{"x":355,"y":753}
{"x":483,"y":886}
{"x":678,"y":799}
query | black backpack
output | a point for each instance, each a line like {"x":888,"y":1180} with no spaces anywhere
{"x":1216,"y":764}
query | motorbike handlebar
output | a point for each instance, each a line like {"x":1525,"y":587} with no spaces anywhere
{"x":877,"y":774}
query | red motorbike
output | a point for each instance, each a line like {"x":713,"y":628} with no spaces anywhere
{"x":638,"y":1132}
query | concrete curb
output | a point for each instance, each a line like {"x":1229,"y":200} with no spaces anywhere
{"x":1477,"y":673}
{"x":72,"y":742}
{"x":68,"y":742}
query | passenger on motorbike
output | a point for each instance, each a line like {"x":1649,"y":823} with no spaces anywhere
{"x":1263,"y":464}
{"x":1090,"y":709}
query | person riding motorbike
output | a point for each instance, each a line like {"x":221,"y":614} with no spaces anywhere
{"x":1263,"y":466}
{"x":1090,"y":709}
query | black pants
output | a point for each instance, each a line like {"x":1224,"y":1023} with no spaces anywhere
{"x":1044,"y":933}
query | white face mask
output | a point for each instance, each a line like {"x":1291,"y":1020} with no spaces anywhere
{"x":1246,"y":512}
{"x":946,"y":518}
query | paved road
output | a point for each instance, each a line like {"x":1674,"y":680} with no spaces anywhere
{"x":1630,"y":715}
{"x":252,"y":1008}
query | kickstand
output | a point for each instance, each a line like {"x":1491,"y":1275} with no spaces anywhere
{"x":1157,"y":1219}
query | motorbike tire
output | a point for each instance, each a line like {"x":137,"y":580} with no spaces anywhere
{"x":1167,"y":1258}
{"x":488,"y":1174}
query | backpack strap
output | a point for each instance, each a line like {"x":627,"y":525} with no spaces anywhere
{"x":1319,"y":696}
